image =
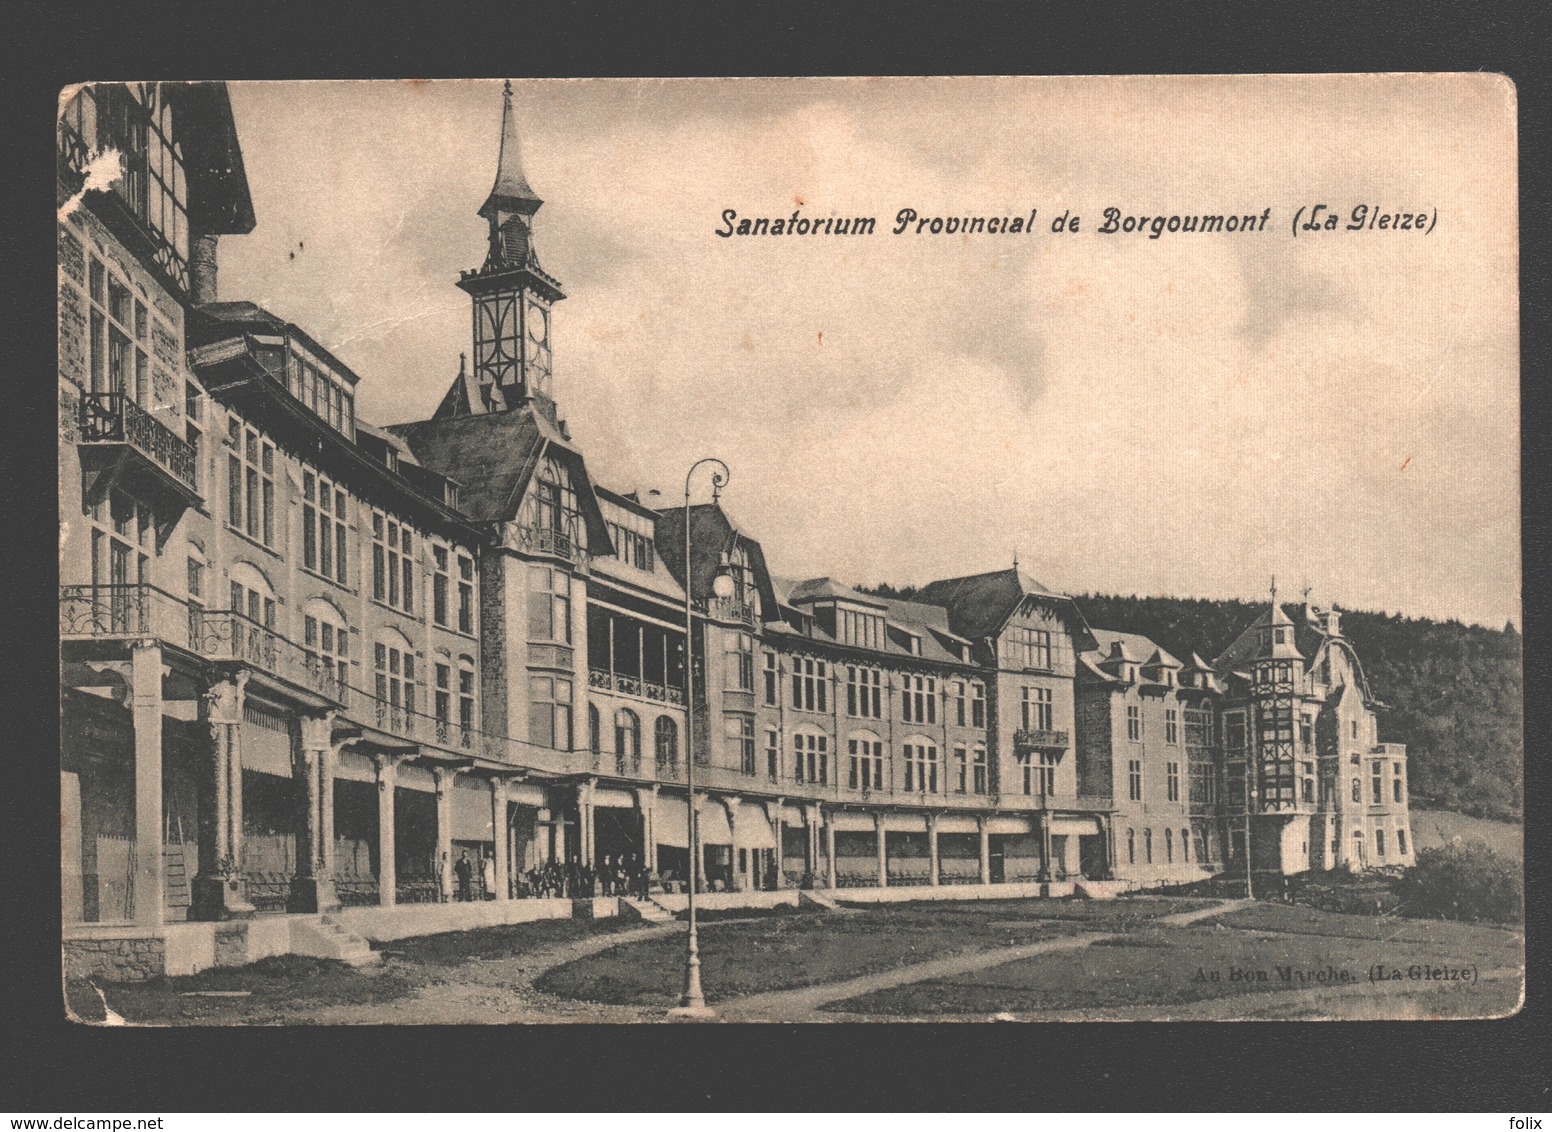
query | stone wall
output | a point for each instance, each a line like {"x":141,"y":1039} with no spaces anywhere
{"x":126,"y":960}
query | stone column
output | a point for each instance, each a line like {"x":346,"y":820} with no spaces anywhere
{"x":1045,"y":845}
{"x":986,"y":852}
{"x":312,"y":889}
{"x":387,"y":865}
{"x":736,"y":879}
{"x":811,"y":841}
{"x":830,"y":846}
{"x":146,"y":706}
{"x":778,"y":829}
{"x":328,"y":761}
{"x":444,"y":776}
{"x":646,"y":800}
{"x":219,"y":891}
{"x":883,"y":852}
{"x":585,"y":820}
{"x":501,"y":831}
{"x":932,"y":849}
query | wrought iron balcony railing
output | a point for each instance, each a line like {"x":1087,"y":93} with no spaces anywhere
{"x":114,"y":418}
{"x":225,"y":635}
{"x":547,"y":540}
{"x":1037,"y":739}
{"x":125,"y":611}
{"x":634,"y":686}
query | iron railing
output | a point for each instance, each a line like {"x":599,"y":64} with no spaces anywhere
{"x":1040,"y":739}
{"x":115,"y":418}
{"x":634,"y":686}
{"x":547,"y":540}
{"x":225,"y":635}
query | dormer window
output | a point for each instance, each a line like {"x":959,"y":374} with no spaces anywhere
{"x":327,"y":395}
{"x":864,"y":630}
{"x":1027,"y":648}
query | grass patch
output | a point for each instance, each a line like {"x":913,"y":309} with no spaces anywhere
{"x":799,"y":950}
{"x":1170,"y":966}
{"x":277,"y":987}
{"x":506,"y":941}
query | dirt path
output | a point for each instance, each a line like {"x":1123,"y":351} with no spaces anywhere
{"x":484,"y":991}
{"x":804,"y":1003}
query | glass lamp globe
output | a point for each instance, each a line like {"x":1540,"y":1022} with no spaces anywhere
{"x":722,"y":586}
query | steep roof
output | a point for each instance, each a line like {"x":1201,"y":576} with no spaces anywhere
{"x":822,"y":589}
{"x":711,"y":534}
{"x":1251,"y":644}
{"x":979,"y":605}
{"x":511,"y":189}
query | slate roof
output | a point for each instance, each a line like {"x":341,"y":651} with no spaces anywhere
{"x":979,"y":605}
{"x":823,"y":589}
{"x":711,"y":533}
{"x":1303,"y":642}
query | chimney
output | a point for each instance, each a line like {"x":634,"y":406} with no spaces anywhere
{"x":202,"y":269}
{"x":1333,"y":625}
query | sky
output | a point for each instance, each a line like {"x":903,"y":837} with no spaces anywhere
{"x":1188,"y":416}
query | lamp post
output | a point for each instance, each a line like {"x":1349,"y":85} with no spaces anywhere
{"x":1250,"y":798}
{"x":692,"y":1004}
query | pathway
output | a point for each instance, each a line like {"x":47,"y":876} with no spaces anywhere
{"x":804,"y":1003}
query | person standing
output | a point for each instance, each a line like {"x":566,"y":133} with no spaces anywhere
{"x":464,"y":871}
{"x":488,"y":876}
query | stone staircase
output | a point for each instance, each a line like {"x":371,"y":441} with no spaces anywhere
{"x":818,"y":899}
{"x":325,"y":938}
{"x":647,"y":911}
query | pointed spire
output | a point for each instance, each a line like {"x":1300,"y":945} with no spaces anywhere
{"x":511,"y":190}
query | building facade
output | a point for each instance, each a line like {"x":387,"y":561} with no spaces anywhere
{"x":310,"y":662}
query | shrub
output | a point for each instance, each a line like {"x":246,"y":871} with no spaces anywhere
{"x":1467,"y":880}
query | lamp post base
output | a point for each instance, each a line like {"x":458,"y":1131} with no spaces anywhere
{"x":692,"y":1014}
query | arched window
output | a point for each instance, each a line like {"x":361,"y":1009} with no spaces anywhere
{"x":595,"y":741}
{"x":1169,"y":846}
{"x":865,"y":761}
{"x":393,"y":660}
{"x":325,"y":642}
{"x":921,"y":766}
{"x":466,"y":703}
{"x":1147,"y":845}
{"x":1131,"y":847}
{"x":1358,"y":846}
{"x":1185,"y":845}
{"x":627,"y":741}
{"x":252,"y":595}
{"x":556,"y":510}
{"x":665,"y":742}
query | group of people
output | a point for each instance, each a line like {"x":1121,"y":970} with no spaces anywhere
{"x":463,"y":872}
{"x":613,"y":876}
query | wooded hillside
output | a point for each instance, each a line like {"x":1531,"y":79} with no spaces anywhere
{"x":1454,"y":691}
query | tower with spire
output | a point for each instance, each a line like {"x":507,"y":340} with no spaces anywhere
{"x":513,"y":297}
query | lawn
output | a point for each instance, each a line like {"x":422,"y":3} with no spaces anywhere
{"x":781,"y":953}
{"x":288,"y":988}
{"x":1267,"y":950}
{"x":1433,"y":828}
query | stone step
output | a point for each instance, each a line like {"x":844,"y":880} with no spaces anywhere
{"x":647,"y":911}
{"x":323,"y":938}
{"x":814,"y":896}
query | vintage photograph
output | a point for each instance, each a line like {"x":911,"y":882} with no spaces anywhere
{"x":800,"y":550}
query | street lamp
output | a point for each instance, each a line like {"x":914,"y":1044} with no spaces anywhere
{"x":1250,"y":798}
{"x":692,"y":1004}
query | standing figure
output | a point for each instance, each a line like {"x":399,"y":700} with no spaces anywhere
{"x":488,"y":876}
{"x":464,"y":871}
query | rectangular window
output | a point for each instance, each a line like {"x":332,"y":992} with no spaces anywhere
{"x":440,"y":582}
{"x":1172,"y":781}
{"x":1038,"y":773}
{"x":549,"y":605}
{"x":442,"y":700}
{"x":740,"y":741}
{"x":961,"y":769}
{"x":323,"y":527}
{"x":1027,"y":648}
{"x":921,"y":768}
{"x":978,"y":769}
{"x":864,"y":692}
{"x":1171,"y":726}
{"x":251,"y":483}
{"x":810,"y":684}
{"x":466,"y":705}
{"x":1234,"y":735}
{"x":738,"y":667}
{"x":549,"y":710}
{"x":977,"y":705}
{"x":1379,"y":842}
{"x":1036,"y":709}
{"x":1401,"y":842}
{"x":772,"y":679}
{"x":772,"y":754}
{"x":466,"y":595}
{"x":393,"y":568}
{"x":1377,"y":784}
{"x":1134,"y":779}
{"x":810,"y":759}
{"x":866,"y":770}
{"x":1133,"y":722}
{"x":919,"y":699}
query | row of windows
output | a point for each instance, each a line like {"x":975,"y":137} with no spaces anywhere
{"x":864,"y":690}
{"x":1379,"y":844}
{"x":1147,"y":846}
{"x":632,"y":547}
{"x":627,"y":737}
{"x":318,"y":389}
{"x":1135,"y":728}
{"x":1171,"y":781}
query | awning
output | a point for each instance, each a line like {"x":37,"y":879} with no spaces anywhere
{"x":751,"y":830}
{"x":471,"y":812}
{"x":1008,"y":825}
{"x":670,"y":823}
{"x":958,"y":823}
{"x":852,"y":822}
{"x":712,"y":825}
{"x":905,"y":823}
{"x":1074,"y":827}
{"x":266,"y":742}
{"x":614,"y":799}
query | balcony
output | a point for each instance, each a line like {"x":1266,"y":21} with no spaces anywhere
{"x":635,"y":686}
{"x":227,"y":636}
{"x":124,"y":612}
{"x":729,"y":609}
{"x":547,"y":540}
{"x":123,"y":445}
{"x":1036,"y":739}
